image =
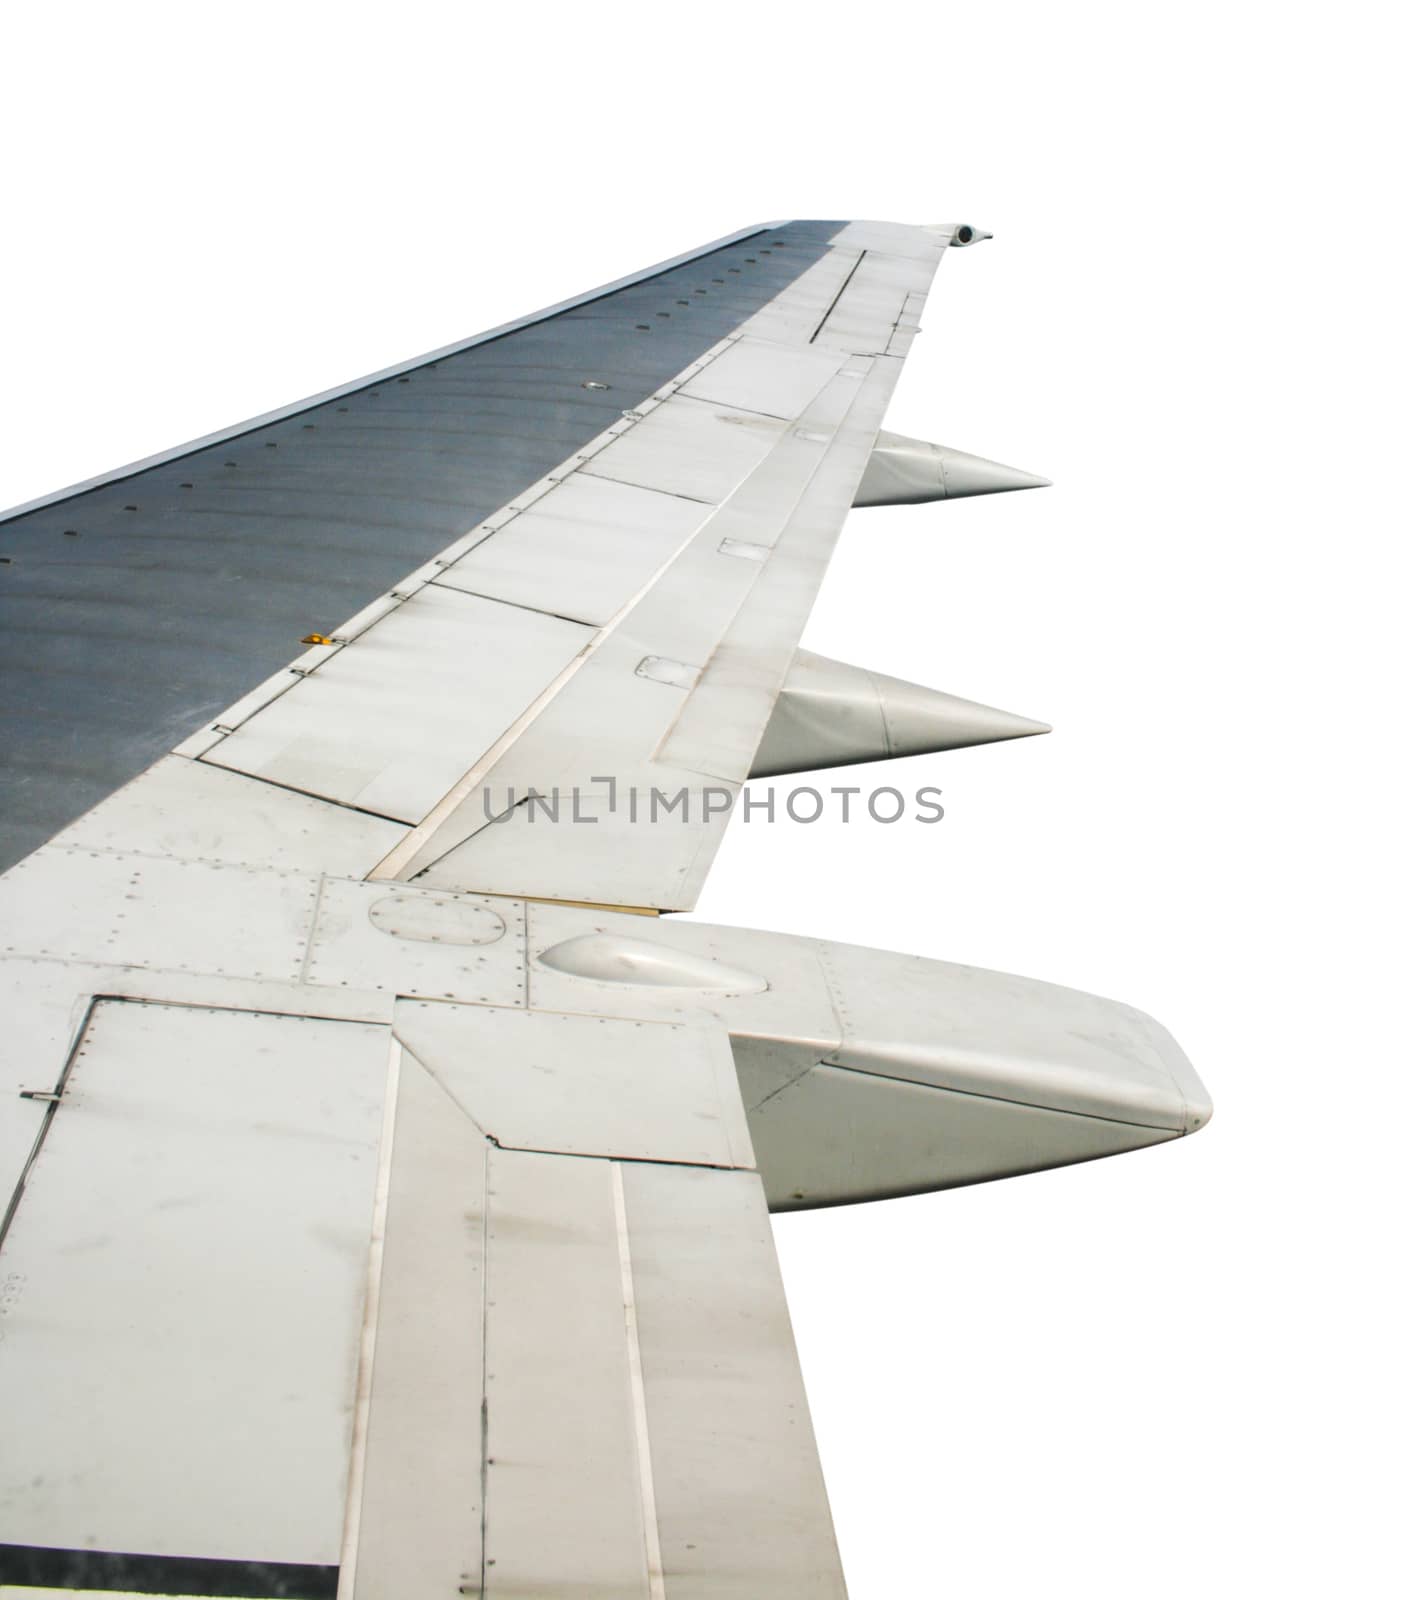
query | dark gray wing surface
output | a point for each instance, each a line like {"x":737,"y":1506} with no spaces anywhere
{"x":134,"y":609}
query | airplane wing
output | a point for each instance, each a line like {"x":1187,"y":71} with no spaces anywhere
{"x":387,"y":1191}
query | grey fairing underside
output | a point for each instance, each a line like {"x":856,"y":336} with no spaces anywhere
{"x":133,"y":610}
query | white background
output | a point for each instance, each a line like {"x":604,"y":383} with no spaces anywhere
{"x":1188,"y":1371}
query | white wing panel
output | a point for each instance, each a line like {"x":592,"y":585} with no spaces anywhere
{"x":192,"y":811}
{"x":777,"y":380}
{"x":415,"y":1525}
{"x":690,"y":448}
{"x":647,"y":1428}
{"x":582,"y":1085}
{"x":190,"y":1252}
{"x":392,"y":719}
{"x":864,"y":315}
{"x":580,"y":550}
{"x":642,"y":1428}
{"x":631,"y":863}
{"x":739,"y":1497}
{"x":793,"y":316}
{"x":566,"y":1508}
{"x":148,"y":911}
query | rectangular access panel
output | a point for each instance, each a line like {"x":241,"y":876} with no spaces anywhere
{"x":183,"y":1286}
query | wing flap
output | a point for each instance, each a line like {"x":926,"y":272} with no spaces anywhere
{"x":285,"y":1298}
{"x":739,"y":1497}
{"x":643,"y":1429}
{"x":647,"y":1432}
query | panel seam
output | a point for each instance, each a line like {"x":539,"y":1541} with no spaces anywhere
{"x":655,"y":1574}
{"x":369,"y":1332}
{"x":832,"y":306}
